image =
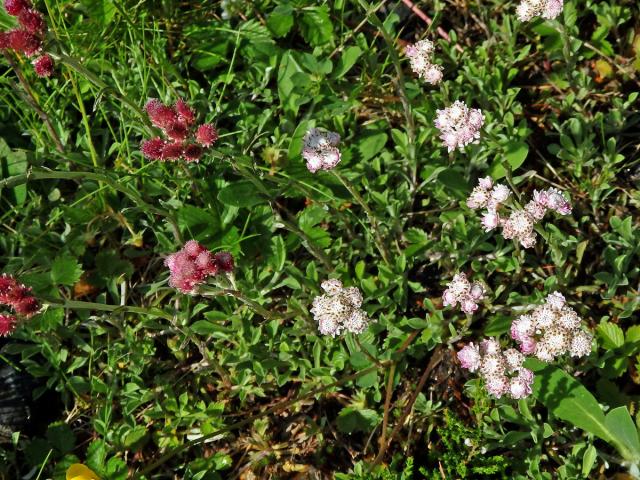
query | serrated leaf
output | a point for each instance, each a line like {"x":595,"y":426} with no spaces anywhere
{"x":352,"y":420}
{"x":611,"y":335}
{"x":65,"y":270}
{"x":280,"y":20}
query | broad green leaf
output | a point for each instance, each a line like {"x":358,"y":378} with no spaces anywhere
{"x":567,"y":399}
{"x":280,"y":20}
{"x":624,"y":433}
{"x":514,"y":155}
{"x":347,"y":61}
{"x":240,"y":194}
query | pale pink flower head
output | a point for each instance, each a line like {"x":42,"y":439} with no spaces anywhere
{"x":580,"y":344}
{"x":420,"y":57}
{"x":459,"y":125}
{"x":490,"y":346}
{"x":536,"y":210}
{"x":500,"y":194}
{"x":320,"y":149}
{"x":556,"y":301}
{"x":478,"y":198}
{"x":528,"y":345}
{"x":552,"y":9}
{"x":522,"y":328}
{"x":461,"y":291}
{"x":485,"y":183}
{"x":490,"y":220}
{"x":520,"y":386}
{"x":469,"y":357}
{"x":497,"y":385}
{"x":339,"y":309}
{"x":557,"y":202}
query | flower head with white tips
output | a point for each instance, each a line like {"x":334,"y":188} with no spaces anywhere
{"x":320,"y":150}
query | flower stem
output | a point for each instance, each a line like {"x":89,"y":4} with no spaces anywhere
{"x":372,"y":219}
{"x":255,"y":306}
{"x":77,"y":305}
{"x":43,"y":174}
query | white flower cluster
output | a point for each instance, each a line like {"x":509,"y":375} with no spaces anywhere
{"x":461,"y":291}
{"x":320,"y":150}
{"x":502,"y":371}
{"x":420,"y":57}
{"x":519,"y":225}
{"x":551,"y":330}
{"x":459,"y":125}
{"x":339,"y":309}
{"x":548,"y":9}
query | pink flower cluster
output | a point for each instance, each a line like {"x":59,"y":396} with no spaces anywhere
{"x":551,"y":330}
{"x":519,"y":224}
{"x":548,"y":9}
{"x":320,"y":150}
{"x":177,"y":124}
{"x":502,"y":371}
{"x":459,"y":125}
{"x":191,"y":266}
{"x":28,"y":38}
{"x":420,"y":57}
{"x":461,"y":291}
{"x":19,"y":298}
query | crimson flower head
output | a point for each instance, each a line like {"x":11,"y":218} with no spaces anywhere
{"x":32,"y":21}
{"x":16,"y":7}
{"x":24,"y":42}
{"x":180,"y":140}
{"x":43,"y":66}
{"x":192,"y":152}
{"x":172,"y":151}
{"x":160,"y":115}
{"x":185,"y":114}
{"x":8,"y":324}
{"x":190,"y":266}
{"x":153,"y":148}
{"x":5,"y":40}
{"x":206,"y":135}
{"x":224,"y":260}
{"x":19,"y":298}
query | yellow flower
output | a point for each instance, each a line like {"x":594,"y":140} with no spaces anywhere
{"x":78,"y":471}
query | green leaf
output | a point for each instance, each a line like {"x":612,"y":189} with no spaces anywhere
{"x":61,"y":437}
{"x":624,"y":433}
{"x":347,"y":61}
{"x":352,"y":420}
{"x":514,"y":156}
{"x":589,"y":460}
{"x":567,"y":399}
{"x":316,"y":26}
{"x":280,"y":20}
{"x":611,"y":335}
{"x":100,"y":11}
{"x":65,"y":270}
{"x":240,"y":194}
